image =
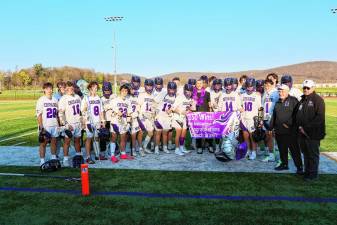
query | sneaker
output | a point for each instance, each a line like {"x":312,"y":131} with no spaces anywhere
{"x":183,"y":150}
{"x":126,"y":156}
{"x":141,"y":152}
{"x":282,"y":167}
{"x":90,"y":161}
{"x":166,"y":151}
{"x":200,"y":150}
{"x":66,"y":163}
{"x":178,"y":152}
{"x":269,"y":158}
{"x":252,"y":155}
{"x":171,"y":146}
{"x":114,"y":159}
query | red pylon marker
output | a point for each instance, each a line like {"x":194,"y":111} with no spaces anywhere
{"x":85,"y":179}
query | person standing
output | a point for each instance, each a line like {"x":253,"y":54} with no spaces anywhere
{"x":282,"y":121}
{"x":310,"y":121}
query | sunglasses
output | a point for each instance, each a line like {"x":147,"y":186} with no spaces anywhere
{"x":306,"y":88}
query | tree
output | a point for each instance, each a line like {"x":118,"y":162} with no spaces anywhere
{"x":24,"y":78}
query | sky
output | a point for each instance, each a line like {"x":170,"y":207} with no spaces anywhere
{"x":160,"y":37}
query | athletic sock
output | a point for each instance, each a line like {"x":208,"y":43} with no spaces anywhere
{"x":66,"y":158}
{"x":78,"y":153}
{"x":42,"y":161}
{"x":112,"y":148}
{"x":164,"y":147}
{"x":181,"y":141}
{"x":146,"y":141}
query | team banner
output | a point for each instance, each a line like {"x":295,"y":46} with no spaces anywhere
{"x":210,"y":124}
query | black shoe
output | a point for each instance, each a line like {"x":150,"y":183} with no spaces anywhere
{"x":281,"y":167}
{"x":299,"y":171}
{"x":200,"y":151}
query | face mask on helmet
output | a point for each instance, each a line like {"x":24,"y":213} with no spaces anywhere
{"x":228,"y":85}
{"x":159,"y":87}
{"x":149,"y":86}
{"x":250,"y":85}
{"x":188,"y":90}
{"x":260,"y":86}
{"x":135,"y":82}
{"x":192,"y":81}
{"x":171,"y":88}
{"x":235,"y":83}
{"x":107,"y":89}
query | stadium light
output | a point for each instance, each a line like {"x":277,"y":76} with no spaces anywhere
{"x":114,"y":19}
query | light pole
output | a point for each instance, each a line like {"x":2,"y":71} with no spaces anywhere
{"x":114,"y":19}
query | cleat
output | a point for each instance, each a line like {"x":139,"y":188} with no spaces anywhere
{"x":114,"y":159}
{"x":127,"y":157}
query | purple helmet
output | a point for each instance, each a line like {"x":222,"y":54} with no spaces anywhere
{"x":250,"y":85}
{"x":217,"y":85}
{"x":148,"y":84}
{"x":228,"y":84}
{"x":135,"y":82}
{"x":235,"y":83}
{"x":287,"y":80}
{"x":192,"y":81}
{"x":171,"y":88}
{"x":107,"y":89}
{"x":260,"y":86}
{"x":188,"y":90}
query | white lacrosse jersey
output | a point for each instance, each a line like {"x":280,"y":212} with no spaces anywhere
{"x":230,"y":102}
{"x":251,"y":104}
{"x":120,"y":105}
{"x":70,"y":105}
{"x":48,"y":107}
{"x":107,"y":112}
{"x":180,"y":90}
{"x":269,"y":100}
{"x":92,"y":105}
{"x":134,"y":103}
{"x":147,"y":103}
{"x":215,"y":97}
{"x":164,"y":102}
{"x":182,"y":104}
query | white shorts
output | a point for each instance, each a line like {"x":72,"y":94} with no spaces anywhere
{"x":163,"y":123}
{"x":119,"y":128}
{"x":148,"y":124}
{"x":248,"y":125}
{"x":91,"y":134}
{"x":135,"y":126}
{"x":76,"y":130}
{"x":179,"y":122}
{"x":54,"y":131}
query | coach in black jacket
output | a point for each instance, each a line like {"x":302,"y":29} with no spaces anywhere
{"x":310,"y":121}
{"x":282,"y":122}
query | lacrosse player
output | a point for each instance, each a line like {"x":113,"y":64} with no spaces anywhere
{"x":163,"y":119}
{"x":269,"y":99}
{"x":70,"y":119}
{"x":92,"y":112}
{"x":181,"y":106}
{"x":46,"y":113}
{"x":215,"y":95}
{"x":147,"y":112}
{"x":158,"y":86}
{"x":251,"y":101}
{"x":121,"y":109}
{"x":230,"y":100}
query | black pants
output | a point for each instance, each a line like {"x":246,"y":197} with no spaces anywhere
{"x":201,"y":142}
{"x":310,"y":149}
{"x":285,"y":142}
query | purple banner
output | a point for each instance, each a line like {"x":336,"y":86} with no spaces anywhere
{"x":209,"y":124}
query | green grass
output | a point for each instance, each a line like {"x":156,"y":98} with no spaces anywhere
{"x":46,"y":208}
{"x":17,"y":118}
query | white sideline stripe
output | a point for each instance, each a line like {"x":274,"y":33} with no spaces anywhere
{"x":20,"y":143}
{"x":23,"y":135}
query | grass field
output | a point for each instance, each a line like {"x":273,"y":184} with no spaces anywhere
{"x":18,"y":123}
{"x":47,"y":208}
